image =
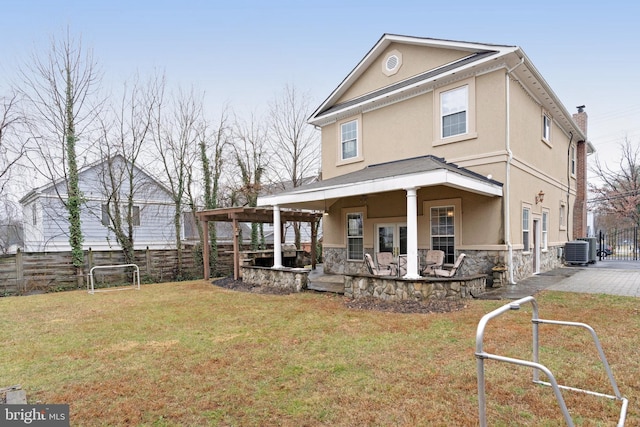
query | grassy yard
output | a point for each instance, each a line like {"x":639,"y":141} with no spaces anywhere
{"x":189,"y":353}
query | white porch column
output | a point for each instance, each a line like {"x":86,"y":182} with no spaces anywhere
{"x":277,"y":238}
{"x":412,"y":234}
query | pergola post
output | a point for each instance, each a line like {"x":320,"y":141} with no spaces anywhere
{"x":236,"y":250}
{"x":314,"y":237}
{"x":205,"y":250}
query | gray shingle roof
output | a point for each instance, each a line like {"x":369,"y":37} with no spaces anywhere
{"x":397,"y":168}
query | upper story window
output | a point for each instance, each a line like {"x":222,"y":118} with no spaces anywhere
{"x":572,"y":160}
{"x":454,"y":105}
{"x":546,"y":128}
{"x":349,"y":140}
{"x":454,"y":117}
{"x":34,"y":214}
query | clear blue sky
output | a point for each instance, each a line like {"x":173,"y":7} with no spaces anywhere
{"x":243,"y":52}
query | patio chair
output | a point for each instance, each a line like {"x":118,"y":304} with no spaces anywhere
{"x":375,"y":270}
{"x":402,"y":265}
{"x":385,"y":261}
{"x":438,"y":272}
{"x":433,"y":261}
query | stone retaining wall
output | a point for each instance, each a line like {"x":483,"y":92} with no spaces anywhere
{"x":292,"y":279}
{"x":398,"y":289}
{"x":476,"y":262}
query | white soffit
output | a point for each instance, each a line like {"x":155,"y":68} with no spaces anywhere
{"x":395,"y":183}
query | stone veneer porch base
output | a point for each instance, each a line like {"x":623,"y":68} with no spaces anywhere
{"x":365,"y":285}
{"x":425,"y":288}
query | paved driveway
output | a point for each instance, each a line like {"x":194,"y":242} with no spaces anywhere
{"x":612,"y":281}
{"x":603,"y":277}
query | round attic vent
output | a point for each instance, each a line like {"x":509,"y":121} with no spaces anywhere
{"x":392,"y":63}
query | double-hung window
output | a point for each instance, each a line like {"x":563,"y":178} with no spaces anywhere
{"x":349,"y":139}
{"x":443,"y":231}
{"x":545,"y":229}
{"x":135,"y":215}
{"x":546,"y":128}
{"x":525,"y":229}
{"x":454,"y":108}
{"x":355,"y":237}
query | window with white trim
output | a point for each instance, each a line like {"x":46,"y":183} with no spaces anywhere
{"x":525,"y":229}
{"x":34,"y":215}
{"x":546,"y":127}
{"x":572,"y":160}
{"x":545,"y":230}
{"x":135,"y":215}
{"x":105,"y":215}
{"x":443,"y":231}
{"x":349,"y":139}
{"x":562,"y":215}
{"x":355,"y":236}
{"x":190,"y":226}
{"x":454,"y":107}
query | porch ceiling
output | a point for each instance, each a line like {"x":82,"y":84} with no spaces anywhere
{"x":415,"y":173}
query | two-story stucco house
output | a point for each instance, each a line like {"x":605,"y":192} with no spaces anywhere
{"x":447,"y":145}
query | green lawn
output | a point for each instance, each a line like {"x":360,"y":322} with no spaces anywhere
{"x":189,"y":353}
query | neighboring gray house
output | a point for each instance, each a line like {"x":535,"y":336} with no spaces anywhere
{"x":45,"y":219}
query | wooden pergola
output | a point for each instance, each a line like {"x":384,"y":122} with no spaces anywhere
{"x":237,"y":215}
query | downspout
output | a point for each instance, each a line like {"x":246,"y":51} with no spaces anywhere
{"x":567,"y":210}
{"x":507,"y":197}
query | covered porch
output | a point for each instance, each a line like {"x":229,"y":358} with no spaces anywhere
{"x":374,"y":190}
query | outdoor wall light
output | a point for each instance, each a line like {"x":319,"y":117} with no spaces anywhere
{"x":540,"y":197}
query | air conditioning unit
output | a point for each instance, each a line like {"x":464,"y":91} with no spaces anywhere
{"x":593,"y":250}
{"x":576,"y":252}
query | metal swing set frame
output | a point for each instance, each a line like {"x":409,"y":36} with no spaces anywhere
{"x":482,"y":356}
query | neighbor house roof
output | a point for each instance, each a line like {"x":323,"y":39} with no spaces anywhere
{"x":416,"y":172}
{"x":49,"y":186}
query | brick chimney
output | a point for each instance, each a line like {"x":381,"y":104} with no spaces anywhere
{"x":580,"y":206}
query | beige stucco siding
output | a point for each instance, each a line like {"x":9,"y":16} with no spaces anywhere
{"x":407,"y":129}
{"x":415,"y":60}
{"x":480,"y":215}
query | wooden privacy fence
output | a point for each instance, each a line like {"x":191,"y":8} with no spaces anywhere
{"x":31,"y":272}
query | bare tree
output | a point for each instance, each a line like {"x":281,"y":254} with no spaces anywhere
{"x":124,"y":135}
{"x":12,"y":144}
{"x":213,"y":145}
{"x":294,"y":147}
{"x":59,"y":91}
{"x":618,"y":194}
{"x":12,"y":151}
{"x":250,"y":158}
{"x":176,"y":133}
